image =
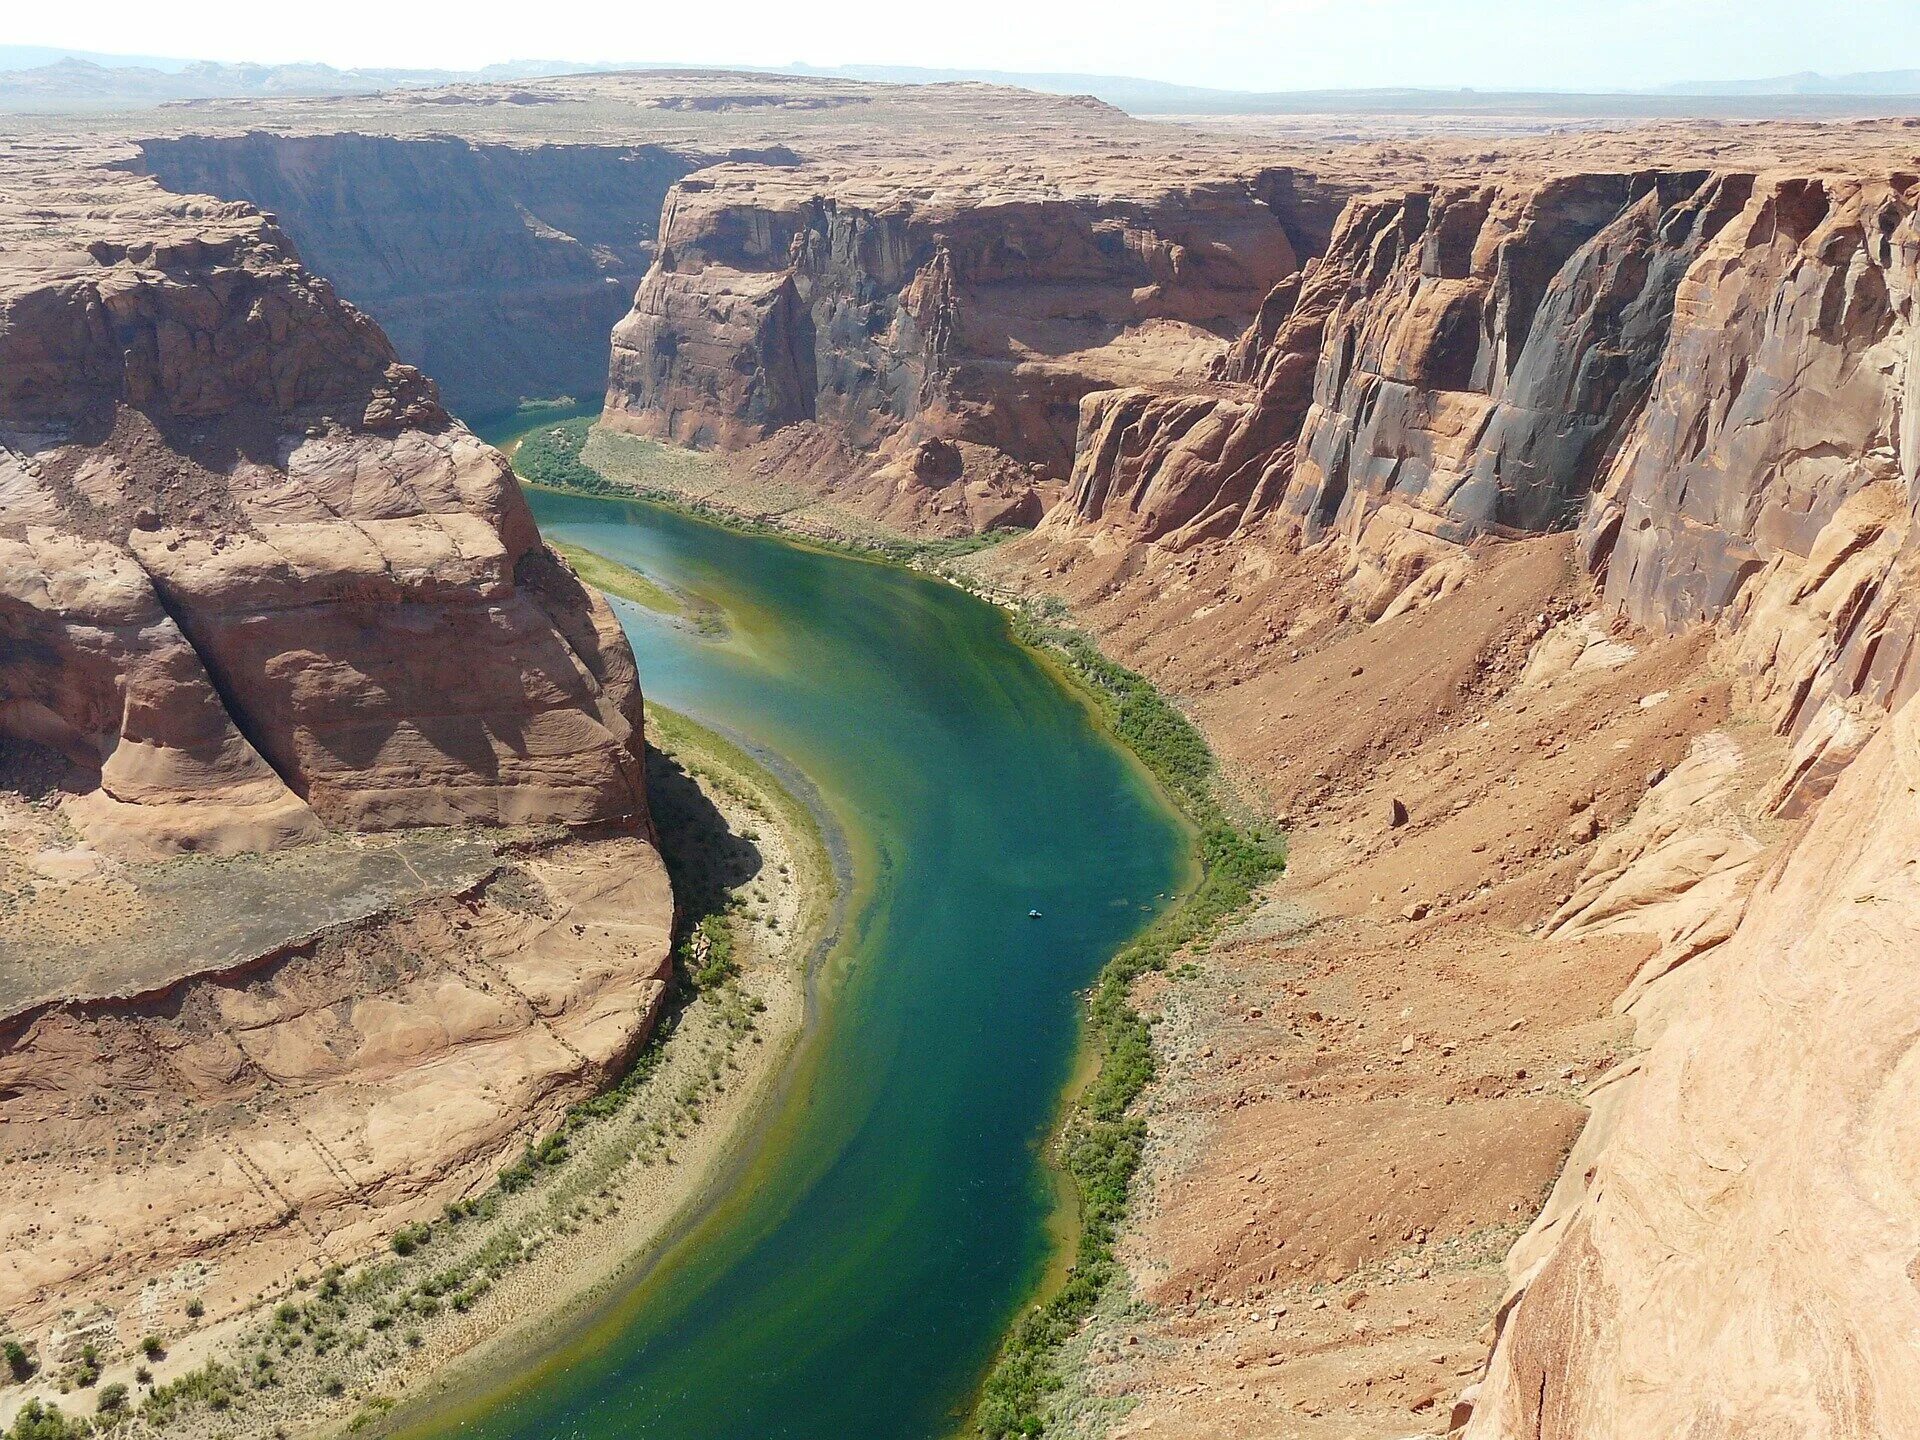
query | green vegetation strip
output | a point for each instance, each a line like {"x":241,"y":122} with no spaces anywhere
{"x":1101,"y":1143}
{"x":551,"y":458}
{"x":621,"y":580}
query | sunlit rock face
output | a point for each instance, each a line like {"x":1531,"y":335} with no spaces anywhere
{"x":893,"y":309}
{"x":256,"y":580}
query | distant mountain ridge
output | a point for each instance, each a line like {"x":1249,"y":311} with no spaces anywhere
{"x":1807,"y":82}
{"x":72,"y":80}
{"x":35,"y":76}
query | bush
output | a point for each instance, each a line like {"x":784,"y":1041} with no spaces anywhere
{"x":45,"y":1422}
{"x":409,"y":1239}
{"x":196,"y":1308}
{"x":19,"y":1363}
{"x":151,"y":1347}
{"x":113,"y":1398}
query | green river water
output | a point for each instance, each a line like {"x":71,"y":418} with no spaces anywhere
{"x":893,"y":1214}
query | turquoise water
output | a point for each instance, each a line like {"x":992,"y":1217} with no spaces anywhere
{"x":857,"y":1276}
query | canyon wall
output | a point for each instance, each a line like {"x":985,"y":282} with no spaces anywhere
{"x":1702,"y":373}
{"x":1706,"y":377}
{"x":261,"y":598}
{"x":258,"y":580}
{"x":498,"y":269}
{"x":897,"y":315}
{"x":1460,"y":362}
{"x":1753,"y":1153}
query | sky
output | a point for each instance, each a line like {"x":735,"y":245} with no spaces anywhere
{"x":1231,"y":44}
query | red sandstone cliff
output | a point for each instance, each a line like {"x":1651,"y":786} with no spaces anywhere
{"x":894,"y":314}
{"x":259,"y":596}
{"x":255,"y":579}
{"x":1707,"y":376}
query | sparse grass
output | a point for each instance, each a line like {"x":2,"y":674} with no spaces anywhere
{"x":213,"y":1386}
{"x":618,"y":579}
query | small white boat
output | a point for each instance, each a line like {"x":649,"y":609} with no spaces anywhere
{"x":1033,"y":914}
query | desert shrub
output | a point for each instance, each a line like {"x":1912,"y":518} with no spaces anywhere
{"x":45,"y":1422}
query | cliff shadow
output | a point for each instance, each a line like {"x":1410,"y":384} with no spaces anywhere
{"x":706,"y":860}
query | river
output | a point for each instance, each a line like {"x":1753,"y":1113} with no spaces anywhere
{"x":896,"y":1209}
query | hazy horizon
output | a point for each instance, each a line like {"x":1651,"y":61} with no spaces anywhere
{"x":1577,"y":45}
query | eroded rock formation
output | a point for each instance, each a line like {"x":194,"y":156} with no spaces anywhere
{"x":896,"y":315}
{"x":259,"y":596}
{"x":255,"y":579}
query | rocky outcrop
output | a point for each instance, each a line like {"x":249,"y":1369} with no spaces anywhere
{"x":293,"y":1110}
{"x":1751,"y":1154}
{"x":1740,"y":1258}
{"x":498,"y":269}
{"x":258,"y":590}
{"x":255,"y":578}
{"x":99,"y":671}
{"x":912,"y":314}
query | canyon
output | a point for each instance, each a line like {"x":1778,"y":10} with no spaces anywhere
{"x":1523,"y":518}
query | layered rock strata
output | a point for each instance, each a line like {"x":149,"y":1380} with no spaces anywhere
{"x":1460,"y":362}
{"x":498,"y":269}
{"x":212,"y":1135}
{"x":1702,"y":373}
{"x":907,"y":318}
{"x":254,"y":580}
